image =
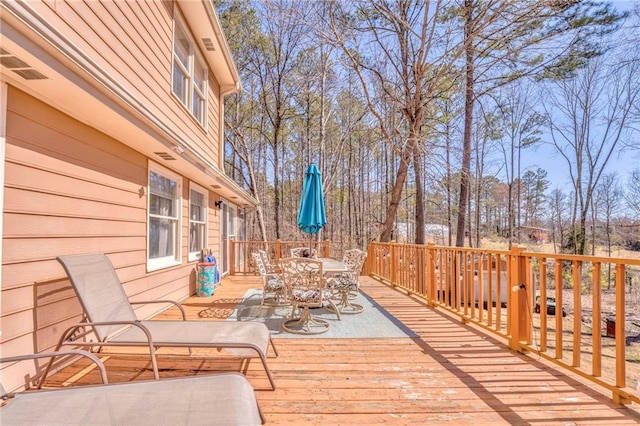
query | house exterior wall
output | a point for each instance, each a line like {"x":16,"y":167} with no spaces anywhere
{"x":71,"y":189}
{"x":132,"y":43}
{"x":78,"y":147}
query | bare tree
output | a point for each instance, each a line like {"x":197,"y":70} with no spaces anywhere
{"x":521,"y":131}
{"x":400,"y":54}
{"x":558,"y":208}
{"x":501,"y":42}
{"x":589,"y":117}
{"x":632,"y":194}
{"x":242,"y":136}
{"x":273,"y":64}
{"x":607,"y":203}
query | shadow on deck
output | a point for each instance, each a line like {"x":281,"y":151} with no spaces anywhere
{"x":452,"y":373}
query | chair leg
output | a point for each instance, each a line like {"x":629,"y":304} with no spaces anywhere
{"x":306,"y":324}
{"x":345,"y":306}
{"x":277,"y":299}
{"x":273,"y":346}
{"x":334,"y":308}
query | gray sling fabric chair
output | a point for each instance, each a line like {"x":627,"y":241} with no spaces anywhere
{"x":113,"y":321}
{"x":218,"y":399}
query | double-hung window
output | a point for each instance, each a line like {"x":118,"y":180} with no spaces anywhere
{"x":189,"y":73}
{"x":198,"y":202}
{"x":163,"y":235}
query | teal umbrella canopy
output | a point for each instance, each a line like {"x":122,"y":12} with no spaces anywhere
{"x":311,"y":214}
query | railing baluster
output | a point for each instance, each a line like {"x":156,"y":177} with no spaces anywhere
{"x":596,"y":334}
{"x":454,"y":277}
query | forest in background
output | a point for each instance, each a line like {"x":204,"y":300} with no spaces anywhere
{"x":421,"y":112}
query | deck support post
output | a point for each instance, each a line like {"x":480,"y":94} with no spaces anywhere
{"x":519,"y":326}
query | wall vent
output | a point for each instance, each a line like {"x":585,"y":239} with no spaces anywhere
{"x":30,"y":74}
{"x":19,"y":66}
{"x":208,"y":44}
{"x":165,"y":156}
{"x":13,"y":62}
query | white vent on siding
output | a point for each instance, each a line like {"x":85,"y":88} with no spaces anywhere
{"x":165,"y":156}
{"x":208,"y":44}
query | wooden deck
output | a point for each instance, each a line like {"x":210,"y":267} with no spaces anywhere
{"x":452,"y":374}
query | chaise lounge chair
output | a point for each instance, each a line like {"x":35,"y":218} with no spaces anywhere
{"x":113,"y":321}
{"x":219,"y":399}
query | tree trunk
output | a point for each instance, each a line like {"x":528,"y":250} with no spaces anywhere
{"x":396,"y":192}
{"x":417,"y":165}
{"x":463,"y":199}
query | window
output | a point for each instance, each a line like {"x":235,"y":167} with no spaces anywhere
{"x":165,"y":189}
{"x":198,"y":202}
{"x":189,"y":73}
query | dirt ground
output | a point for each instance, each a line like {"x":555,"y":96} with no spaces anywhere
{"x":608,"y":308}
{"x":608,"y":342}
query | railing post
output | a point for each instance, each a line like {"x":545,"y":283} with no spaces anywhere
{"x":232,"y":256}
{"x":430,"y":261}
{"x":421,"y":275}
{"x":392,"y":264}
{"x":368,"y":265}
{"x":277,"y":252}
{"x":519,"y":320}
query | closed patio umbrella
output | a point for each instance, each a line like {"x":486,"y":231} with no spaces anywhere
{"x":311,"y":214}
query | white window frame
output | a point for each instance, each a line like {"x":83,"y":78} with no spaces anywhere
{"x":176,"y":219}
{"x":194,"y":95}
{"x":194,"y":187}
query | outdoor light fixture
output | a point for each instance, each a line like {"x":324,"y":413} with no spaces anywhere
{"x":218,"y":204}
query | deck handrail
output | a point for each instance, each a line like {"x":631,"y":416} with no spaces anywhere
{"x":497,"y":289}
{"x":240,"y":252}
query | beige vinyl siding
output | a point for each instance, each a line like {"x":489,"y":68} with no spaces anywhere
{"x":213,"y":231}
{"x":132,"y":42}
{"x":71,"y":189}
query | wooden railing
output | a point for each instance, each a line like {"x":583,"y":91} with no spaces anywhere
{"x":242,"y":262}
{"x":498,"y":289}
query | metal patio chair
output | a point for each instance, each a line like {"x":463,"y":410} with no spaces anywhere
{"x":271,"y":268}
{"x":346,"y":285}
{"x":305,"y":289}
{"x":303,"y":252}
{"x":273,"y":293}
{"x":111,"y":318}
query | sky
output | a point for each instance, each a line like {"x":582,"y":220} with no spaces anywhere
{"x":547,"y":158}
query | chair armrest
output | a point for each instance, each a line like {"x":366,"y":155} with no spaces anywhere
{"x":171,"y":302}
{"x":70,"y":338}
{"x":55,"y":354}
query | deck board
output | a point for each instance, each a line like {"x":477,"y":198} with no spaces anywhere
{"x":453,"y":373}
